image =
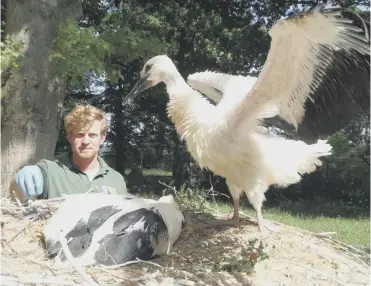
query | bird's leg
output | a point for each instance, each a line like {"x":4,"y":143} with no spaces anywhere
{"x":236,"y":203}
{"x":235,"y":192}
{"x":263,"y":226}
{"x":260,"y":220}
{"x":256,"y":198}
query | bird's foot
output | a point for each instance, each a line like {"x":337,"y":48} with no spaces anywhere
{"x":223,"y":222}
{"x":268,"y":228}
{"x":272,"y":227}
{"x":235,"y":218}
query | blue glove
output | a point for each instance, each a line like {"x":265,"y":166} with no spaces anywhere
{"x":31,"y":181}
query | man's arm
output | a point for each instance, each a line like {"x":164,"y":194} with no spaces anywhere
{"x":16,"y":192}
{"x":43,"y":165}
{"x":29,"y":182}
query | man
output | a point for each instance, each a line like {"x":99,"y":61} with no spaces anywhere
{"x":86,"y":130}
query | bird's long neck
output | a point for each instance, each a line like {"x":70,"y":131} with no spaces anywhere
{"x":187,"y":108}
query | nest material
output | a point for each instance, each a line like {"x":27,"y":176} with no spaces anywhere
{"x":210,"y":251}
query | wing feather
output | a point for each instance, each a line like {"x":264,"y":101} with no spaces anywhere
{"x":219,"y":85}
{"x":214,"y":85}
{"x":302,"y":48}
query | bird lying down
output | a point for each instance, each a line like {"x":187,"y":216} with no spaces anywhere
{"x":103,"y":229}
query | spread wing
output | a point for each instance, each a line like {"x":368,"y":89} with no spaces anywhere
{"x":303,"y":50}
{"x":220,"y":85}
{"x":214,"y":85}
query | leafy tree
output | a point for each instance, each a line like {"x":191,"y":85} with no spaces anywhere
{"x":227,"y":36}
{"x":349,"y":166}
{"x":32,"y":90}
{"x":57,"y":55}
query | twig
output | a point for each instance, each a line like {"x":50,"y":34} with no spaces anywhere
{"x":131,"y":262}
{"x":349,"y":246}
{"x":3,"y":243}
{"x":353,"y":264}
{"x":6,"y":280}
{"x":320,"y":235}
{"x":120,"y":276}
{"x":110,"y":256}
{"x":43,"y":264}
{"x":212,"y":191}
{"x":201,"y":207}
{"x":17,"y":200}
{"x":345,"y":246}
{"x":70,"y":258}
{"x":175,"y":193}
{"x":54,"y":200}
{"x":113,"y":274}
{"x":361,"y":261}
{"x":23,"y":228}
{"x":185,"y":258}
{"x":310,"y":269}
{"x":325,"y":234}
{"x":31,"y":260}
{"x":39,"y":208}
{"x":170,"y":187}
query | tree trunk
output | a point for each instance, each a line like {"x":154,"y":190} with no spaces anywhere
{"x":120,"y":138}
{"x":177,"y":168}
{"x":32,"y":95}
{"x":178,"y":159}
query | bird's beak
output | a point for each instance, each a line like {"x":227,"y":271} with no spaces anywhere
{"x":142,"y":84}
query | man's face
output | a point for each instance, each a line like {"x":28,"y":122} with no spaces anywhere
{"x":85,"y":143}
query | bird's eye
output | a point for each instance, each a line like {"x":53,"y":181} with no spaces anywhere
{"x":148,"y":67}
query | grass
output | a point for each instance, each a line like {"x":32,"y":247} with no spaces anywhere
{"x":153,"y":172}
{"x":353,"y":231}
{"x":157,"y":173}
{"x":352,"y":225}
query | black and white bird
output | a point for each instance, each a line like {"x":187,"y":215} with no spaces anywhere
{"x":228,"y":138}
{"x":104,"y":229}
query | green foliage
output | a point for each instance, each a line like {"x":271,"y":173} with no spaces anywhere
{"x":78,"y":51}
{"x":192,"y":200}
{"x":102,"y":49}
{"x":10,"y":53}
{"x":351,"y":224}
{"x":349,"y":227}
{"x":225,"y":36}
{"x":243,"y":261}
{"x":128,"y":39}
{"x":349,"y":166}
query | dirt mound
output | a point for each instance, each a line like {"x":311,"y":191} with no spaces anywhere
{"x":211,"y":251}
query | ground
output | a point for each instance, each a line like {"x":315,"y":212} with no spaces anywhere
{"x":210,"y":251}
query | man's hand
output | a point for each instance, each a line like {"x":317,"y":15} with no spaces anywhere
{"x":31,"y":181}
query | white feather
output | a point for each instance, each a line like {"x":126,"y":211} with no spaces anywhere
{"x":294,"y":67}
{"x":80,"y":206}
{"x":214,"y":85}
{"x":227,"y":138}
{"x":218,"y":85}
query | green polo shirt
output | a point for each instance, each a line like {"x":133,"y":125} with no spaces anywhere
{"x":65,"y":178}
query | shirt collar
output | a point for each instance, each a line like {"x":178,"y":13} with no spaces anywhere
{"x":103,"y":167}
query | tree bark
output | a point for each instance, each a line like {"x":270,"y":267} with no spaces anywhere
{"x":178,"y":159}
{"x":120,"y":138}
{"x":32,"y":95}
{"x":177,"y":168}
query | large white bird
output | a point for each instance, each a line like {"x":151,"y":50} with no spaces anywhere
{"x":228,"y":138}
{"x":103,"y":229}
